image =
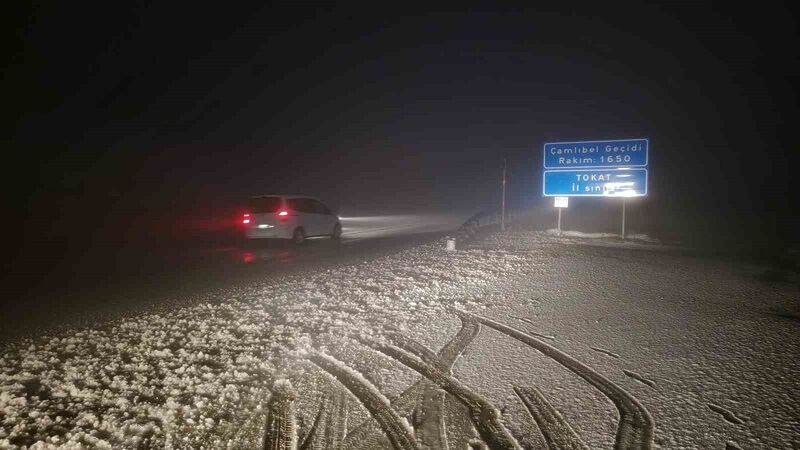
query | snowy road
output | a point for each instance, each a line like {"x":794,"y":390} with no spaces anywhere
{"x":115,"y":280}
{"x":520,"y":340}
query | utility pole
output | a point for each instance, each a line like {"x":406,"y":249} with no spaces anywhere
{"x":503,"y":206}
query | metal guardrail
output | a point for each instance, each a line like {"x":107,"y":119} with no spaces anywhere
{"x":478,"y":221}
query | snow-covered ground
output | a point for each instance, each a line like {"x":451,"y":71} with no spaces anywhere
{"x":525,"y":338}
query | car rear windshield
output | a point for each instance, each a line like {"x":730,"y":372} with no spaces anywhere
{"x":264,"y":204}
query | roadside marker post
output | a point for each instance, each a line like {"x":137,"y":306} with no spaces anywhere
{"x":560,"y":203}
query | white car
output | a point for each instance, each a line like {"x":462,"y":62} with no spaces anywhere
{"x":294,"y":217}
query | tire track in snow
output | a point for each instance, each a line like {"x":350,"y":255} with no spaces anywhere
{"x":530,"y":322}
{"x":429,"y":413}
{"x":419,"y":350}
{"x":337,"y":424}
{"x":315,"y":434}
{"x":456,"y":346}
{"x":446,"y":358}
{"x":414,"y":398}
{"x":459,"y":429}
{"x":636,"y":426}
{"x":485,"y":417}
{"x":395,"y":427}
{"x":427,"y":416}
{"x":280,"y":430}
{"x":428,"y":420}
{"x":639,"y":378}
{"x":726,"y":414}
{"x":556,"y":431}
{"x":330,"y":424}
{"x":605,"y":352}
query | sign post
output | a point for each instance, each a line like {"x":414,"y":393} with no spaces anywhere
{"x":560,"y":203}
{"x":559,"y":221}
{"x":623,"y":217}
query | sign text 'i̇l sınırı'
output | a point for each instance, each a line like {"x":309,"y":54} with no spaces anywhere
{"x":616,"y":182}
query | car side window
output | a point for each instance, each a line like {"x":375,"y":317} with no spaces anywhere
{"x":298,"y":205}
{"x":307,"y":205}
{"x":319,"y":208}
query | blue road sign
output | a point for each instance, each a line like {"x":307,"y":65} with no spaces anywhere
{"x":617,"y":182}
{"x":596,"y":154}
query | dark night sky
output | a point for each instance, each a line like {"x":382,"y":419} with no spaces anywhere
{"x":147,"y":109}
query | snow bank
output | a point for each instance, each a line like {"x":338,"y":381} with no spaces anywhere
{"x":605,"y":236}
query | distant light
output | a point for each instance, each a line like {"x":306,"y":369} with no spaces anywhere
{"x":283,"y":213}
{"x":246,"y":218}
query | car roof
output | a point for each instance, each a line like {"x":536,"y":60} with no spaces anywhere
{"x":285,"y":196}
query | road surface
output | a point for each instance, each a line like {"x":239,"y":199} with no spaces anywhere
{"x":128,"y":279}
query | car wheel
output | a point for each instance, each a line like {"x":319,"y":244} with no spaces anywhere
{"x":337,"y":232}
{"x":299,"y":236}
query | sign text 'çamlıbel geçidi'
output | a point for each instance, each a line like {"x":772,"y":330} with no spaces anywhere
{"x":594,"y":154}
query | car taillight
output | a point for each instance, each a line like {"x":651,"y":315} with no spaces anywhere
{"x":283,"y":215}
{"x":246,"y":218}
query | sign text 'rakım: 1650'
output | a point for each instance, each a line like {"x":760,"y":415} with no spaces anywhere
{"x":596,"y":154}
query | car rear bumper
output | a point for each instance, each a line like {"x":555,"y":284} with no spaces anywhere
{"x":276,"y":232}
